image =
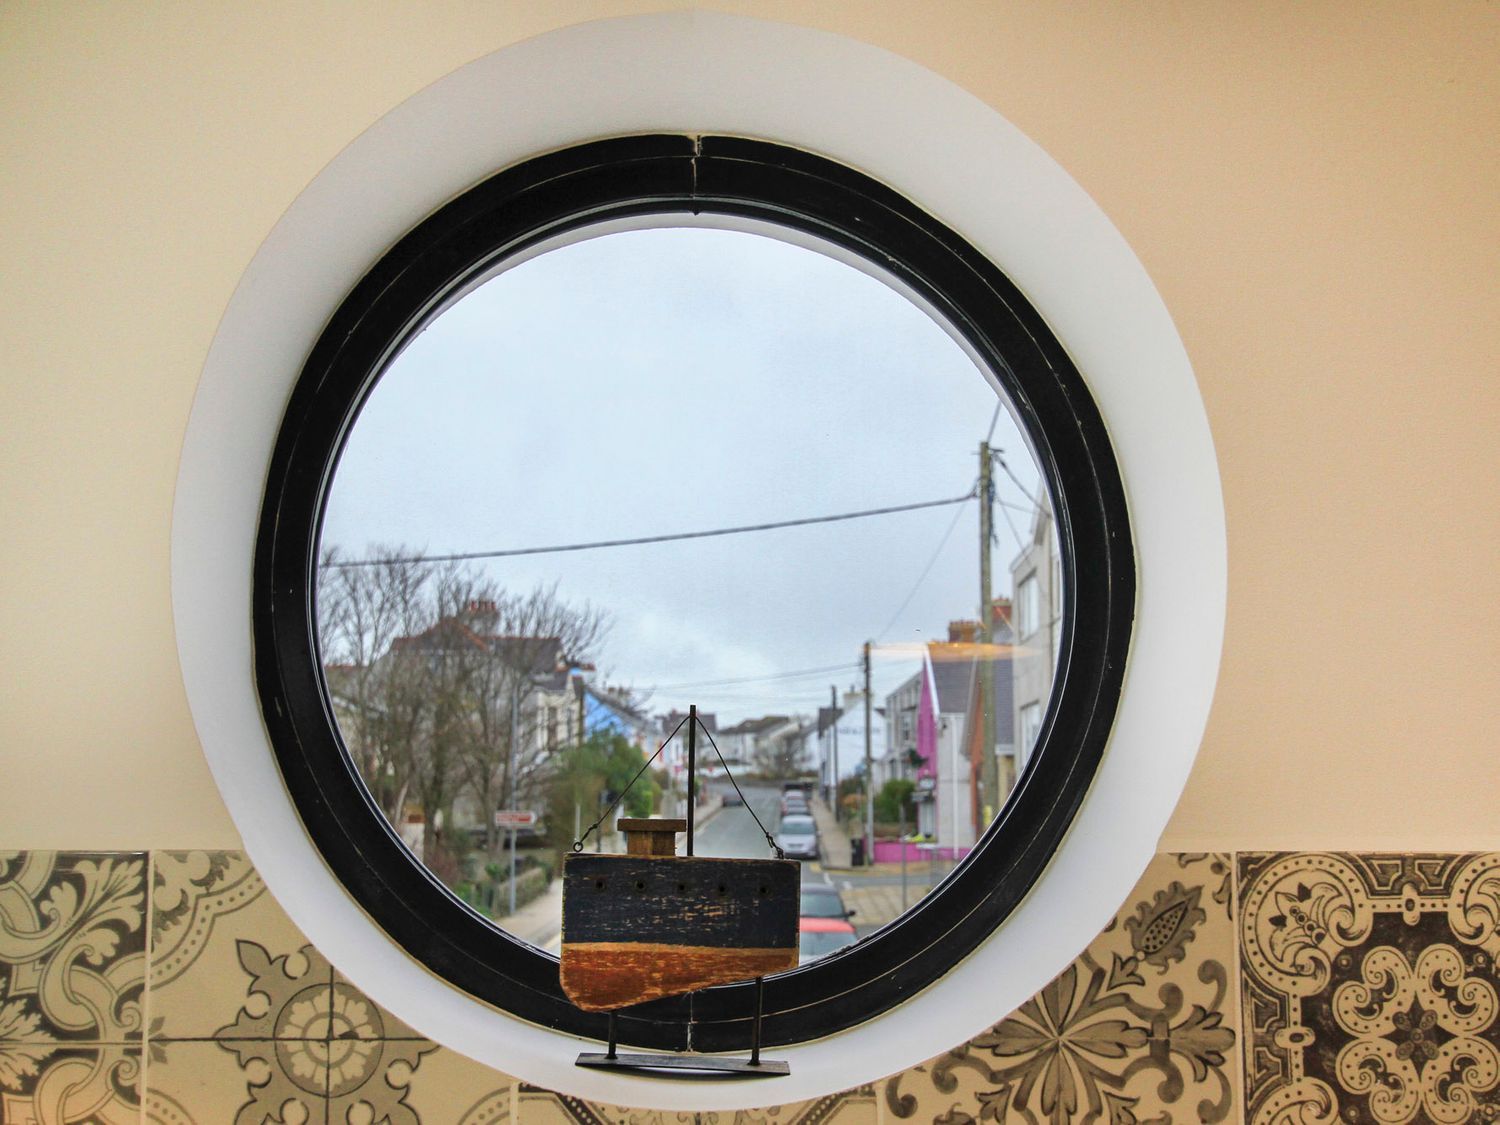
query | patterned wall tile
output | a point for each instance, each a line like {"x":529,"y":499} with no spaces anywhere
{"x":205,"y":1083}
{"x":1370,"y":987}
{"x":537,"y":1106}
{"x":1139,"y":1028}
{"x":70,"y":1083}
{"x":448,"y":1087}
{"x":859,"y":1106}
{"x":547,"y":1107}
{"x":72,"y":946}
{"x":368,"y":1020}
{"x":212,"y":923}
{"x":291,"y":1053}
{"x":442,"y":1086}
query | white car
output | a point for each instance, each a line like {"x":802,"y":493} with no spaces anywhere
{"x":798,"y":837}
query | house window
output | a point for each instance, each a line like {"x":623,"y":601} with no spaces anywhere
{"x":472,"y":643}
{"x":1028,"y":606}
{"x":1029,"y":727}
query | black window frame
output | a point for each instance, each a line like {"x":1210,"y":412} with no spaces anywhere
{"x":658,"y":175}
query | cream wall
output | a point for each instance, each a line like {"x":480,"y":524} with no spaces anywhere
{"x":1313,"y":188}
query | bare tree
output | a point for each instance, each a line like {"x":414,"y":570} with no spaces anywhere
{"x":442,"y":683}
{"x":533,"y":643}
{"x":383,"y":705}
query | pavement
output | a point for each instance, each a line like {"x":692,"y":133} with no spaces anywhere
{"x":539,"y":921}
{"x":878,"y":894}
{"x":878,"y":906}
{"x":837,"y":853}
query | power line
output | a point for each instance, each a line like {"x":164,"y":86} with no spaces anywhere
{"x":720,"y":698}
{"x":1010,"y":523}
{"x":469,"y":556}
{"x":999,"y":456}
{"x":759,"y":679}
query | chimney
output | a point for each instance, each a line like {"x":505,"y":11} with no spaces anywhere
{"x":964,"y":632}
{"x":1001,"y":612}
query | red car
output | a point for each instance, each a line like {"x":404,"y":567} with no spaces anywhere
{"x":821,"y":936}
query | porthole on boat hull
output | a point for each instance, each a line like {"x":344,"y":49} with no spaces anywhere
{"x":354,"y":797}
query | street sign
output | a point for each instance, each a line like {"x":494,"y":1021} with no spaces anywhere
{"x":514,"y":818}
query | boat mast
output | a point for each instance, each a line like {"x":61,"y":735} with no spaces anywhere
{"x":692,"y":795}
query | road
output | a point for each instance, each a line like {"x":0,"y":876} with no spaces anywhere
{"x":879,"y":899}
{"x":877,"y":896}
{"x":731,"y":833}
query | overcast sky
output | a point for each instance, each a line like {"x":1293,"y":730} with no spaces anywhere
{"x":670,"y":380}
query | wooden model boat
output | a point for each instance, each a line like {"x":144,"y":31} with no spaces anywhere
{"x":651,"y":923}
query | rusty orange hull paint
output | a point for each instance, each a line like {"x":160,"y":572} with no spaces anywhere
{"x":603,"y":976}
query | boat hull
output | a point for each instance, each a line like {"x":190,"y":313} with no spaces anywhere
{"x":638,"y":928}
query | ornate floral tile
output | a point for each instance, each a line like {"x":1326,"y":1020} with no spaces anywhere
{"x":291,"y":1053}
{"x":451,"y":1088}
{"x":858,"y":1106}
{"x":72,"y":947}
{"x":95,"y":1084}
{"x":212,"y":923}
{"x":545,"y":1107}
{"x":377,"y":1023}
{"x":197,"y":1082}
{"x":1139,"y":1028}
{"x":1367,"y":982}
{"x":1370,"y":987}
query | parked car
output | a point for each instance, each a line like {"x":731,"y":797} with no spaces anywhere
{"x":794,"y":802}
{"x":819,"y":937}
{"x":822,"y":900}
{"x":798,"y":837}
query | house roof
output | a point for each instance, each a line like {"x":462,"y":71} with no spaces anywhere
{"x":542,"y":657}
{"x":708,"y":719}
{"x":952,"y":680}
{"x":613,"y":699}
{"x":756,"y":726}
{"x":953,"y":670}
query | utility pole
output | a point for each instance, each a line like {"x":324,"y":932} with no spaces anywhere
{"x":510,"y":798}
{"x":833,"y":700}
{"x":869,"y":769}
{"x":989,"y":767}
{"x":582,"y":710}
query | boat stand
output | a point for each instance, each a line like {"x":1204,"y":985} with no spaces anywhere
{"x":689,"y":1065}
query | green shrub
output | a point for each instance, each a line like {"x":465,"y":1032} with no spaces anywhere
{"x":894,"y":798}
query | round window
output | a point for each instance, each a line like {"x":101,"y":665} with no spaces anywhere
{"x":670,"y":420}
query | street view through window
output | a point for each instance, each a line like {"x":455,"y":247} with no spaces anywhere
{"x":517,"y":601}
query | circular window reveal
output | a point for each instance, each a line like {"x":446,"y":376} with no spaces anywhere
{"x":666,"y":421}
